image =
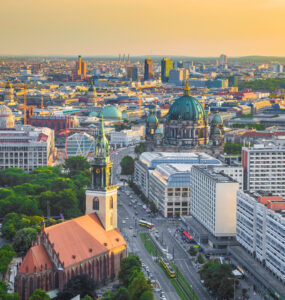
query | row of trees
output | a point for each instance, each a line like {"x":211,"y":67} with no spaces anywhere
{"x":256,"y":126}
{"x":270,"y":84}
{"x":232,"y":148}
{"x":134,"y":284}
{"x":46,"y":190}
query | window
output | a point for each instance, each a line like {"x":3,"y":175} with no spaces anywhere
{"x":95,"y":203}
{"x":111,"y":202}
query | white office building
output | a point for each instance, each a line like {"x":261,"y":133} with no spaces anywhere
{"x":264,"y":166}
{"x":261,"y":228}
{"x":213,"y":200}
{"x":80,"y":144}
{"x":235,"y":172}
{"x":26,"y":147}
{"x":124,"y":138}
{"x":150,"y":160}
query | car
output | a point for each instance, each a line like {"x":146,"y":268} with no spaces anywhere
{"x":131,"y":227}
{"x":124,"y":222}
{"x":134,"y":235}
{"x":126,"y":218}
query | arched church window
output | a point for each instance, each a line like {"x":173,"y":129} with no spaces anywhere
{"x":95,"y":203}
{"x":111,"y":202}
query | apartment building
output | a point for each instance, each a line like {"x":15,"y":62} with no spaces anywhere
{"x":261,"y":228}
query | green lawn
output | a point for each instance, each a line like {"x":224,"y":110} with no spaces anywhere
{"x":149,"y":244}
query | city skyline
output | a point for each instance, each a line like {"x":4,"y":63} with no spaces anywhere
{"x":173,"y":28}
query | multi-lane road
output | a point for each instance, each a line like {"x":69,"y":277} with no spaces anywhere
{"x":128,"y":217}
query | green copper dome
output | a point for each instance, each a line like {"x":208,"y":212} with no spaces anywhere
{"x":158,"y":131}
{"x":186,"y":108}
{"x":217,"y":119}
{"x":110,"y":112}
{"x":152,"y":119}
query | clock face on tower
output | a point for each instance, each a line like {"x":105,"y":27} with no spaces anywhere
{"x":97,"y":171}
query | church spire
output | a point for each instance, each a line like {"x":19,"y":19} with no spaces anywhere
{"x":102,"y":144}
{"x":187,"y":89}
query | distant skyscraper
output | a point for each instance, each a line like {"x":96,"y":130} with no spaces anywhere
{"x":223,"y":59}
{"x":80,"y":68}
{"x":166,"y":66}
{"x":148,"y":73}
{"x":132,"y":73}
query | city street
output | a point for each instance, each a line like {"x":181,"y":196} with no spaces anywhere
{"x":128,"y":217}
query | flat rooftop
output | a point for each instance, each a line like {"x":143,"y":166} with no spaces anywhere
{"x":214,"y":174}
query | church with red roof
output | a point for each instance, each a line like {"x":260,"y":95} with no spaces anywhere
{"x":91,"y":244}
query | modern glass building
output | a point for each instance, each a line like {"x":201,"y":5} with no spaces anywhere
{"x":166,"y":66}
{"x":80,"y":144}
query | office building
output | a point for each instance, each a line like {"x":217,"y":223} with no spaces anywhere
{"x":178,"y":76}
{"x":264,"y":168}
{"x":148,"y":72}
{"x":80,"y":144}
{"x":132,"y":73}
{"x":261,"y":227}
{"x":124,"y":138}
{"x":223,"y":60}
{"x":148,"y":161}
{"x":166,"y":66}
{"x":79,"y":71}
{"x":213,"y":201}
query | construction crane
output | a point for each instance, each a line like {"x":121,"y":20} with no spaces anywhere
{"x":25,"y":104}
{"x":140,"y":102}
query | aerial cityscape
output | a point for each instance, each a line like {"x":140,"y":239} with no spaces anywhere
{"x":142,"y":150}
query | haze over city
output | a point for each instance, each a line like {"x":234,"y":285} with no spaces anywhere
{"x":160,"y":27}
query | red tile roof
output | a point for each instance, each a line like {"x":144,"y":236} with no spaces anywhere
{"x":35,"y":258}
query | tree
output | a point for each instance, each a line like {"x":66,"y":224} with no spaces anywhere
{"x":152,"y":207}
{"x":192,"y":251}
{"x":87,"y":297}
{"x":147,"y":295}
{"x":200,"y":259}
{"x":76,"y":164}
{"x":127,"y":164}
{"x":217,"y":277}
{"x":138,"y":286}
{"x":129,"y":266}
{"x":4,"y":295}
{"x":12,"y":177}
{"x":39,"y":295}
{"x":6,"y":255}
{"x":139,"y":149}
{"x":109,"y":295}
{"x":23,"y":239}
{"x":122,"y":294}
{"x":78,"y":285}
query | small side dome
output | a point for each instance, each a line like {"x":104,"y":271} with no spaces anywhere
{"x":152,"y":119}
{"x":217,"y":119}
{"x":158,"y":131}
{"x":94,"y":114}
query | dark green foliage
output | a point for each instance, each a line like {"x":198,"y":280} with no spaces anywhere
{"x":14,"y":222}
{"x":120,"y":127}
{"x":256,"y":126}
{"x":122,"y":294}
{"x":76,"y":164}
{"x":109,"y":295}
{"x":87,"y":297}
{"x":6,"y":255}
{"x":153,"y":208}
{"x":23,"y":240}
{"x":46,"y":190}
{"x":232,"y":148}
{"x":4,"y":293}
{"x":39,"y":295}
{"x":78,"y":285}
{"x":269,"y":84}
{"x":127,"y":164}
{"x":192,"y":251}
{"x":129,"y":266}
{"x":138,"y":286}
{"x":147,"y":295}
{"x":200,"y":259}
{"x":139,"y":149}
{"x":246,"y":116}
{"x":218,"y":278}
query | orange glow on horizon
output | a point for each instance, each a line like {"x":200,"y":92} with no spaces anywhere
{"x":143,"y":27}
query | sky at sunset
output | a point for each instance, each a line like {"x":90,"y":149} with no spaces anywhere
{"x":142,"y":27}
